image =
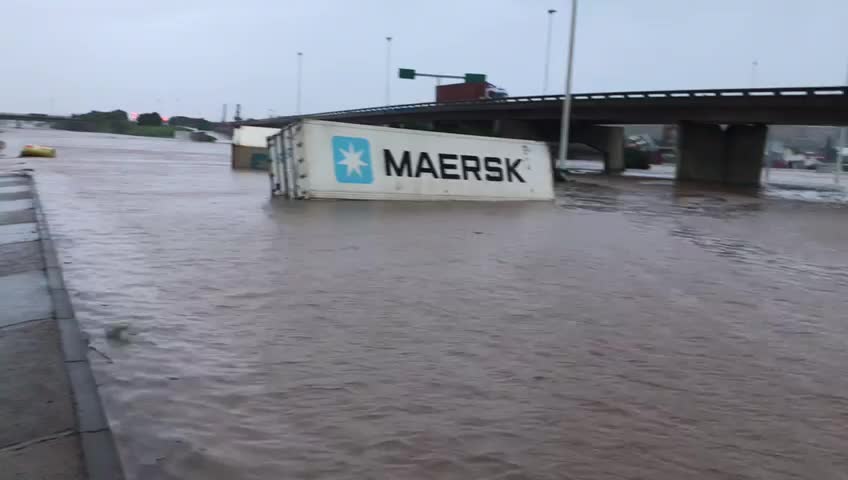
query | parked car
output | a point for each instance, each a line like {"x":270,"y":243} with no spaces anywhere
{"x":640,"y":151}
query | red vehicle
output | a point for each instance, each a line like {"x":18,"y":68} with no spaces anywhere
{"x":458,"y":92}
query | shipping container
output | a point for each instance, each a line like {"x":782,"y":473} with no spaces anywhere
{"x":319,"y":159}
{"x":250,"y":147}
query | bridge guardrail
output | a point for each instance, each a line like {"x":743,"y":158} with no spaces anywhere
{"x":730,"y":92}
{"x":632,"y":95}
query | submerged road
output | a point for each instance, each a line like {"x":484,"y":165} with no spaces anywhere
{"x":631,"y":329}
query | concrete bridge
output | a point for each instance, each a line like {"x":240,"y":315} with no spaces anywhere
{"x":721,"y":137}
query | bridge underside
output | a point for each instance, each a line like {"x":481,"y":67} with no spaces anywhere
{"x":608,"y":140}
{"x":707,"y":152}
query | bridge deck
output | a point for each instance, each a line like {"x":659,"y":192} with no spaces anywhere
{"x":792,"y":106}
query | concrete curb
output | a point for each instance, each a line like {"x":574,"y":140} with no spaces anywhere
{"x":100,"y":453}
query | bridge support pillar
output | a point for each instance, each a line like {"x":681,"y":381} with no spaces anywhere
{"x":708,"y":153}
{"x":744,"y":147}
{"x":700,"y":149}
{"x":607,"y":140}
{"x":614,"y":153}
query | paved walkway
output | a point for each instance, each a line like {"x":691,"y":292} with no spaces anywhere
{"x":52,"y":425}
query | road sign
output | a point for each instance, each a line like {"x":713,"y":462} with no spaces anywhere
{"x":475,"y":78}
{"x":408,"y":73}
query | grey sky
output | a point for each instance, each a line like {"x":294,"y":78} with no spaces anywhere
{"x":191,"y":56}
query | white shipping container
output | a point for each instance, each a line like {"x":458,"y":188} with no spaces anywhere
{"x":319,"y":159}
{"x":253,"y":136}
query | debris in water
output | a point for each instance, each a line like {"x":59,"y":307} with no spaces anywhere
{"x":118,"y":332}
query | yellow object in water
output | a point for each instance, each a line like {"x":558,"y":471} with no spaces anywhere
{"x":38,"y":151}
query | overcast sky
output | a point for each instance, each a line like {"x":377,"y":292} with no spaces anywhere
{"x":191,"y":56}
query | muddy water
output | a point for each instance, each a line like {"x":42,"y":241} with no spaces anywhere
{"x":630,"y":330}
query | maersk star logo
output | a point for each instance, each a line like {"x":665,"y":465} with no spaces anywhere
{"x":352,"y":160}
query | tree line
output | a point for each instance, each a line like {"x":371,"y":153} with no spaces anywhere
{"x":117,"y":121}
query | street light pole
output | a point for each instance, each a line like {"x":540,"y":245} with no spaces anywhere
{"x":566,"y":107}
{"x":843,"y":133}
{"x":299,"y":78}
{"x":551,"y":13}
{"x":388,"y":70}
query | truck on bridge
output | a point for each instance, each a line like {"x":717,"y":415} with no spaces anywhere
{"x":461,"y":92}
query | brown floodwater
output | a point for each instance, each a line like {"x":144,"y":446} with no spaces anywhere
{"x":630,"y":329}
